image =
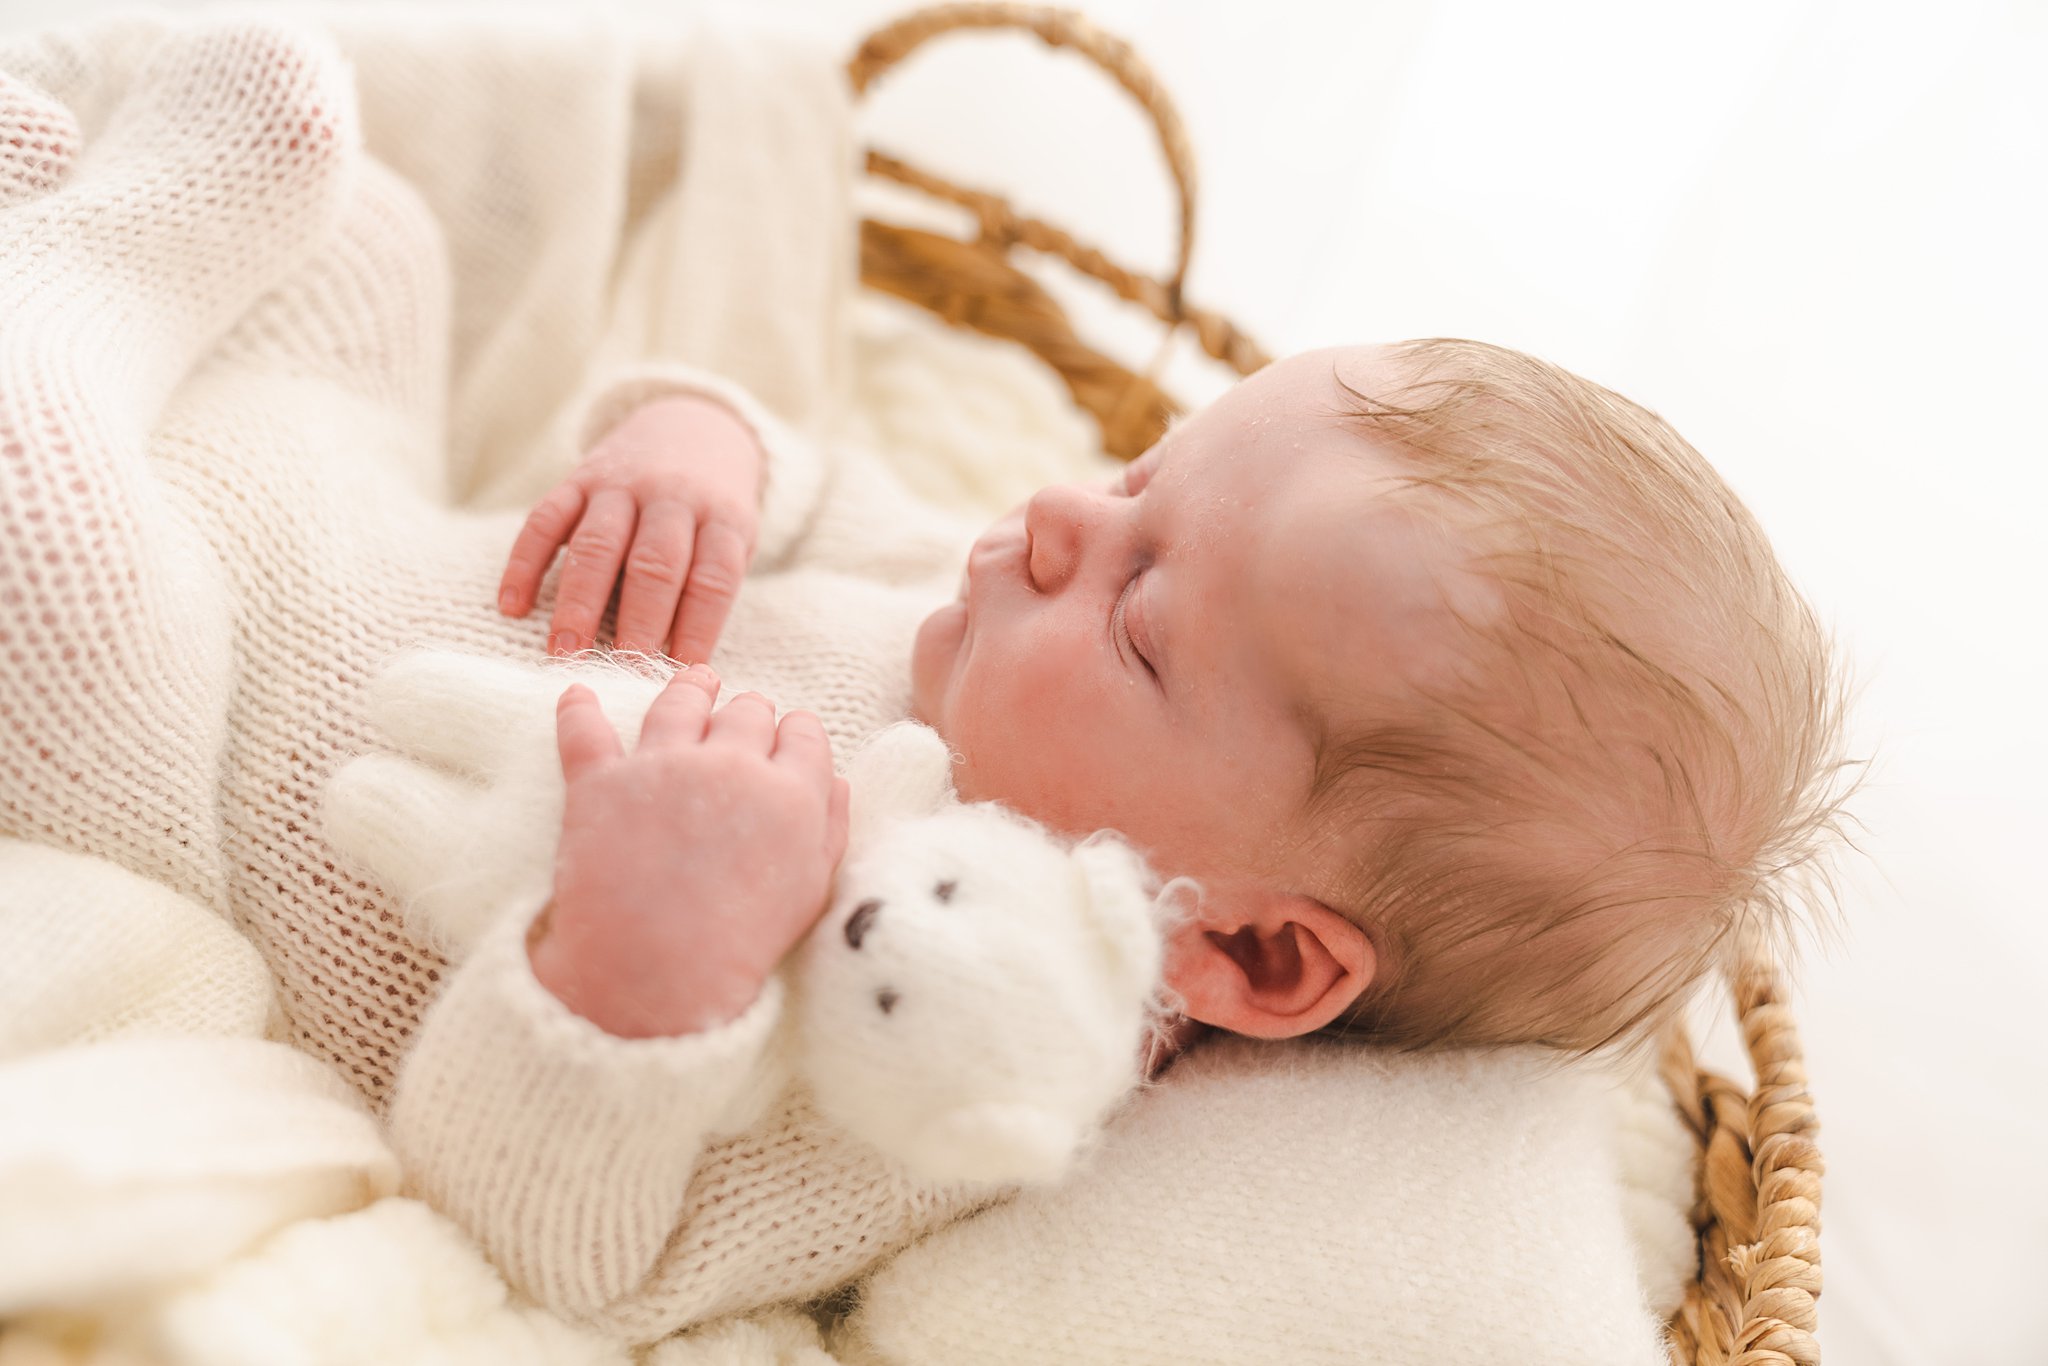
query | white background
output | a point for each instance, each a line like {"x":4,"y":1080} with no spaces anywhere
{"x":1811,"y":234}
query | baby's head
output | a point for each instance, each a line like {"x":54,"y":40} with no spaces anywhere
{"x":1474,"y":701}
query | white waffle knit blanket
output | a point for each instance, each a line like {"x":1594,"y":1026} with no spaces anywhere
{"x":285,"y":349}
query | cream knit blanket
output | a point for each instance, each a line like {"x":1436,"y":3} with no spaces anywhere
{"x":263,"y":402}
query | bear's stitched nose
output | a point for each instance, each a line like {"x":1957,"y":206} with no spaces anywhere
{"x":863,"y":916}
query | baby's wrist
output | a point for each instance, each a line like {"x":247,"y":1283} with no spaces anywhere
{"x":635,"y":995}
{"x":687,"y":423}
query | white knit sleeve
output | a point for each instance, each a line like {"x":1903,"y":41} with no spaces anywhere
{"x":603,"y":1175}
{"x":566,"y":1152}
{"x":794,"y":470}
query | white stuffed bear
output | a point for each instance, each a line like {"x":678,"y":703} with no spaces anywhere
{"x":976,"y":996}
{"x":975,"y":999}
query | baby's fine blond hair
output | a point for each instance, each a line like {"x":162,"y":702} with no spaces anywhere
{"x":1639,"y":762}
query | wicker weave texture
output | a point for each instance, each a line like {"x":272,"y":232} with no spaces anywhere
{"x":975,"y":284}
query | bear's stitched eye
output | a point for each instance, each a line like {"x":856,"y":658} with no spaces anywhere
{"x":944,"y":891}
{"x":858,"y":923}
{"x":887,"y":998}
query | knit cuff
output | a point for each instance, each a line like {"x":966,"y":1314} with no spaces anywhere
{"x":567,"y":1152}
{"x":792,"y":470}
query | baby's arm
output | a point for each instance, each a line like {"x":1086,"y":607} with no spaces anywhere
{"x":578,"y":1156}
{"x":606,"y":1177}
{"x":611,"y":1176}
{"x":647,"y":1183}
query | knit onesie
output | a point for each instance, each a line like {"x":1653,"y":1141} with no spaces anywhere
{"x":223,"y":356}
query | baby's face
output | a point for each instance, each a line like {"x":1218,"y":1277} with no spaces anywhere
{"x":1150,"y":654}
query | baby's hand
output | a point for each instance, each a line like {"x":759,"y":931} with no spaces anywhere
{"x":677,"y":482}
{"x":688,"y":868}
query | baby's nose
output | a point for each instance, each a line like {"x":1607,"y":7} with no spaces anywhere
{"x":1058,"y":521}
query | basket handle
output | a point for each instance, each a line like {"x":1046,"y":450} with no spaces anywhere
{"x":889,"y":45}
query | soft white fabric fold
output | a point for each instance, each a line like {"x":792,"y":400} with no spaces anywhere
{"x":130,"y":1164}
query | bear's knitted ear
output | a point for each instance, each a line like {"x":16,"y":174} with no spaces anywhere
{"x":903,"y":770}
{"x":1117,"y":887}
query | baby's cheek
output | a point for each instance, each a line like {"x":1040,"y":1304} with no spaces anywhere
{"x":1060,"y":679}
{"x":1053,"y":737}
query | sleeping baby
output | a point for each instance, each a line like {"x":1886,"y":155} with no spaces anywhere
{"x":1468,"y":699}
{"x":1472,"y":703}
{"x":1473,"y":700}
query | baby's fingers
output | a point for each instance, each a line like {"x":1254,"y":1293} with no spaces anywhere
{"x":654,"y":575}
{"x":678,"y":714}
{"x":747,"y":721}
{"x":800,"y":739}
{"x":547,"y":526}
{"x":715,"y":576}
{"x":590,"y":569}
{"x":583,"y":735}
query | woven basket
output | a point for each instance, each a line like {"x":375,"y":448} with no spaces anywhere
{"x":1756,"y":1209}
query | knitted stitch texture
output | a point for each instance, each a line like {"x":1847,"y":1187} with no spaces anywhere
{"x":221,"y":365}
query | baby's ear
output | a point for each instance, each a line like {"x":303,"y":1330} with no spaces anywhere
{"x":1118,"y":891}
{"x":903,"y":770}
